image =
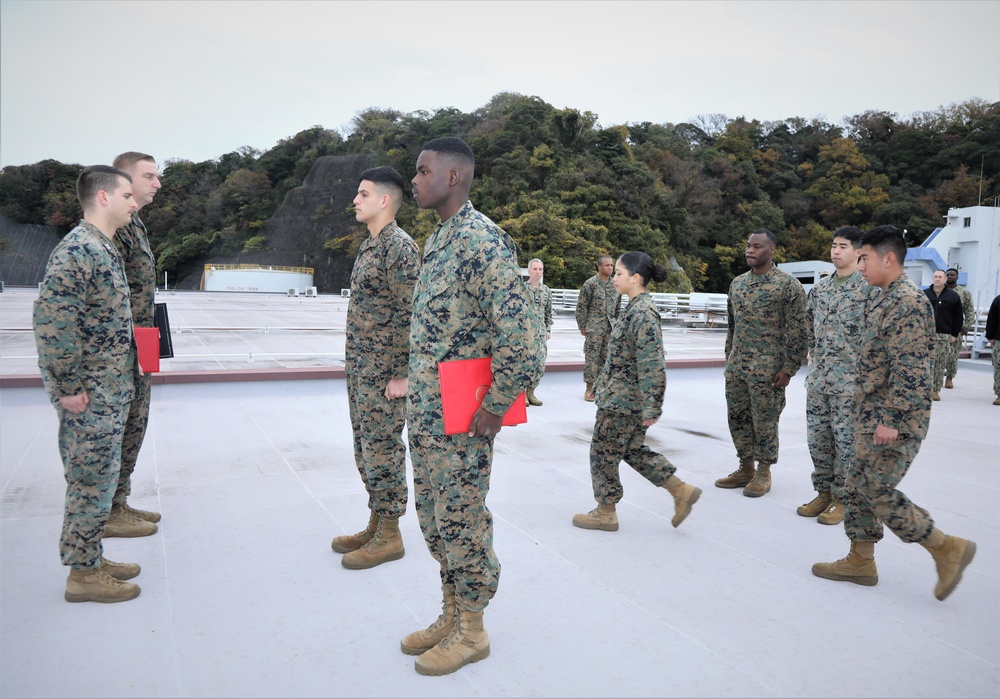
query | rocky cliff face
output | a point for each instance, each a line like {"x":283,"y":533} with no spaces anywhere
{"x":309,"y":216}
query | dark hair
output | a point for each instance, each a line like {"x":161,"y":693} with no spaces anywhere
{"x":851,"y":234}
{"x":453,"y":147}
{"x":886,"y":239}
{"x":384,"y":176}
{"x":773,"y":239}
{"x":126,"y":161}
{"x":640,"y":263}
{"x":952,"y":269}
{"x":95,"y":178}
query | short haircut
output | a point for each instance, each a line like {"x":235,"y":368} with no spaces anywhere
{"x":886,"y":239}
{"x":533,"y":260}
{"x":604,"y":257}
{"x":951,"y":269}
{"x":637,"y":262}
{"x":851,"y":234}
{"x":386,"y":177}
{"x":95,"y":178}
{"x":772,"y":238}
{"x":452,"y":147}
{"x":126,"y":161}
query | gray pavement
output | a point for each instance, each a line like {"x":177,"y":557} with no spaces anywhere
{"x":242,"y":596}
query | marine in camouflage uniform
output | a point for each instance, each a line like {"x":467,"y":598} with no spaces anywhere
{"x":835,"y":309}
{"x":596,"y":309}
{"x":768,"y":335}
{"x":83,"y":333}
{"x":947,"y":307}
{"x":993,"y":339}
{"x":892,"y":414}
{"x":969,"y":322}
{"x":377,"y":350}
{"x":541,"y":298}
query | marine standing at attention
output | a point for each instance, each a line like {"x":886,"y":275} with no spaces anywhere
{"x":541,"y":296}
{"x":86,"y":354}
{"x":376,"y":359}
{"x":630,"y":400}
{"x":766,"y":344}
{"x":596,"y":309}
{"x":140,"y":270}
{"x":892,"y":414}
{"x":469,"y":302}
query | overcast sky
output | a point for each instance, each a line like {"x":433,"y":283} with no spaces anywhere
{"x":82,"y":81}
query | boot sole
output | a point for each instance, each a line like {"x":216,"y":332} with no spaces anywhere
{"x":128,"y":534}
{"x":70,"y":597}
{"x":350,"y":565}
{"x":829,"y":521}
{"x":756,"y":495}
{"x":732,"y":486}
{"x":866,"y":580}
{"x":343,"y":549}
{"x":695,"y":494}
{"x":432,"y":672}
{"x":598,"y":527}
{"x":970,"y":552}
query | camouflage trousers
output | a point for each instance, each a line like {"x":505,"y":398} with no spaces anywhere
{"x":944,"y":350}
{"x":871,"y":498}
{"x":134,"y":434}
{"x":619,"y":437}
{"x":995,"y":356}
{"x":951,"y":368}
{"x":753,"y":409}
{"x":379,"y":451}
{"x":90,"y":444}
{"x":830,"y":435}
{"x":544,"y":351}
{"x":451,"y":479}
{"x":595,"y":352}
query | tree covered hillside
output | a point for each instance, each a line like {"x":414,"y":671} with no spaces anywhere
{"x":568,"y":188}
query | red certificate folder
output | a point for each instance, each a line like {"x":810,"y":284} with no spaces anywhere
{"x":148,"y":342}
{"x":464,"y":384}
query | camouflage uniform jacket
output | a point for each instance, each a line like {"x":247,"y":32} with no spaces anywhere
{"x":968,"y":307}
{"x":542,"y":298}
{"x":140,"y":270}
{"x":634,"y":377}
{"x":836,"y":318}
{"x":895,"y":361}
{"x":470,"y":302}
{"x":597,"y":306}
{"x":83,"y":322}
{"x":378,"y":314}
{"x":768,"y":328}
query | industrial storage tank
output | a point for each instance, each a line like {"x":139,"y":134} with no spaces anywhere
{"x":258,"y":278}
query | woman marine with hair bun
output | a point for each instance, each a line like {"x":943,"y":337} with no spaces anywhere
{"x":629,"y":395}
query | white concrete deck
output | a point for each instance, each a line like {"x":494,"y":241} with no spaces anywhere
{"x":242,"y":596}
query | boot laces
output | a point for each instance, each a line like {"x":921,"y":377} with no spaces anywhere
{"x":376,"y":539}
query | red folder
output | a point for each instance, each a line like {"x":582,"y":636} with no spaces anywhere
{"x":464,"y":384}
{"x":148,"y":342}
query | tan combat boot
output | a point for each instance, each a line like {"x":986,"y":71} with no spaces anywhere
{"x":119,"y":571}
{"x":815,"y":506}
{"x":141,"y":514}
{"x":739,"y":478}
{"x":467,"y":643}
{"x":385,"y":545}
{"x":948,"y":383}
{"x":530,"y":395}
{"x":98,"y":586}
{"x":857,"y":567}
{"x":588,"y":395}
{"x":603,"y":517}
{"x":352,"y":542}
{"x":834,"y":514}
{"x":420,"y":642}
{"x":761,"y":482}
{"x":935,"y":396}
{"x":122,"y":523}
{"x":685,"y":495}
{"x":951,"y":556}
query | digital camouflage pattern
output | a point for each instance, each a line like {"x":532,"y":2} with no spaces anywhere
{"x":948,"y":320}
{"x":377,"y":349}
{"x":634,"y":378}
{"x":541,"y":298}
{"x":596,"y":309}
{"x":894,"y":390}
{"x":83,"y":333}
{"x":768,"y":331}
{"x":945,"y":356}
{"x":629,"y":390}
{"x":835,"y":316}
{"x":132,"y":242}
{"x":968,"y":322}
{"x":469,"y":302}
